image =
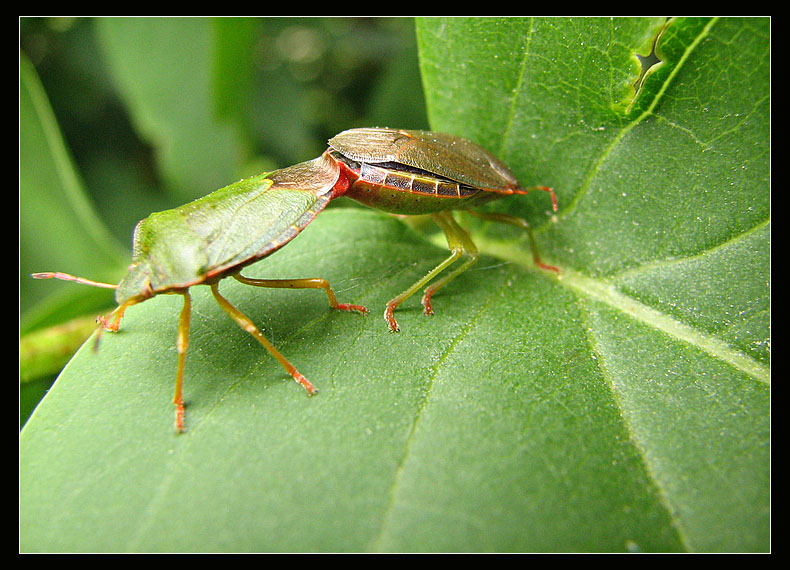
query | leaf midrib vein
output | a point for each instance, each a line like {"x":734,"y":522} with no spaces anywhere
{"x":663,"y":497}
{"x":605,"y":292}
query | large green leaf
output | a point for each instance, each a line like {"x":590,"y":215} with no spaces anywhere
{"x":623,"y":405}
{"x":53,"y":208}
{"x":163,"y":70}
{"x":663,"y":232}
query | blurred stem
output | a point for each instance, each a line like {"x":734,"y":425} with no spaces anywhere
{"x":45,"y":351}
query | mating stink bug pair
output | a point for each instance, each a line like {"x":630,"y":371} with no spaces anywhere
{"x":205,"y":241}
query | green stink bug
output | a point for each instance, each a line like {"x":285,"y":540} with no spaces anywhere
{"x":421,"y":172}
{"x":215,"y":237}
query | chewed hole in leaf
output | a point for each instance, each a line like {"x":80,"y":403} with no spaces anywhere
{"x":649,"y":63}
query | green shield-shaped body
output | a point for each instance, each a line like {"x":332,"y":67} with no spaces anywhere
{"x":226,"y":230}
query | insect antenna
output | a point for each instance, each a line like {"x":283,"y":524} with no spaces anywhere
{"x":101,"y":321}
{"x":67,"y":277}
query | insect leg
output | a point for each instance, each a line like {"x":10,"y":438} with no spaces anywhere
{"x":245,"y":323}
{"x":106,"y":324}
{"x":182,"y":343}
{"x":117,"y":315}
{"x":310,"y":283}
{"x":554,"y":204}
{"x":521,"y":223}
{"x":460,"y":245}
{"x":456,"y":237}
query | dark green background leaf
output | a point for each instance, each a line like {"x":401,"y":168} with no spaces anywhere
{"x":623,"y":405}
{"x":52,"y":202}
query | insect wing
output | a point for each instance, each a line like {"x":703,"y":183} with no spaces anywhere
{"x":444,"y":155}
{"x":270,"y":215}
{"x":231,"y":227}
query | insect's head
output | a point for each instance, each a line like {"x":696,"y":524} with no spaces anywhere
{"x":166,"y":255}
{"x":136,"y":284}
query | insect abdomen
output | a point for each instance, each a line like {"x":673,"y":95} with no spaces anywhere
{"x":414,"y":181}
